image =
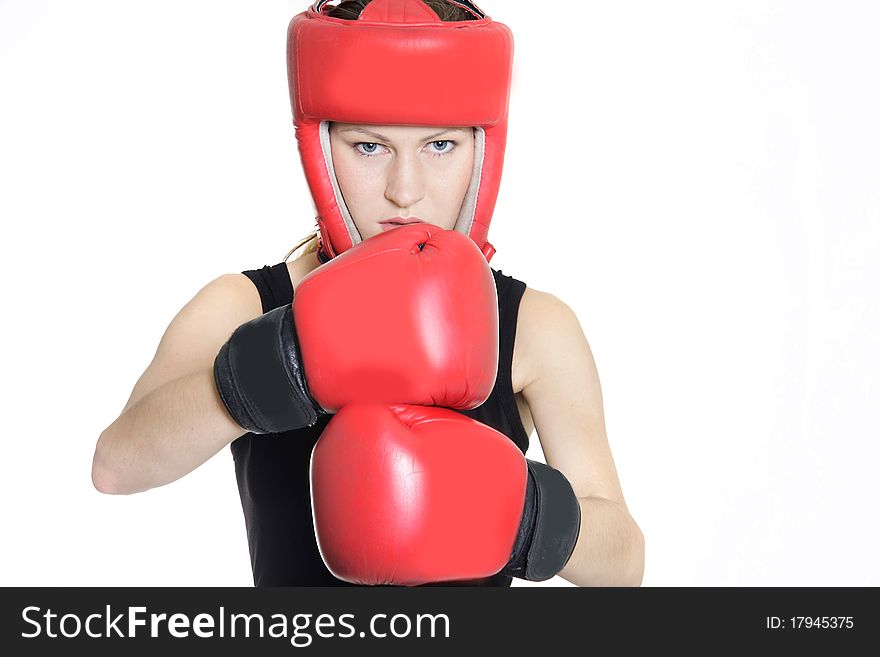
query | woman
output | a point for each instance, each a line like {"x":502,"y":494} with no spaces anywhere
{"x":436,"y":75}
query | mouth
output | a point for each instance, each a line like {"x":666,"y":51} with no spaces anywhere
{"x":401,"y":221}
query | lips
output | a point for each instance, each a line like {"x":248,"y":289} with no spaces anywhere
{"x":401,"y":221}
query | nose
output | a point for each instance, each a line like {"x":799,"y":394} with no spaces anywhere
{"x":405,"y":185}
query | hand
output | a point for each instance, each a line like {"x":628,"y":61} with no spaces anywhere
{"x":409,"y":315}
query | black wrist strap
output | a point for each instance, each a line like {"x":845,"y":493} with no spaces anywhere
{"x":259,"y":376}
{"x":550,"y":525}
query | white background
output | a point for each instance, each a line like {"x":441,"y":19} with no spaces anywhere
{"x":698,"y":181}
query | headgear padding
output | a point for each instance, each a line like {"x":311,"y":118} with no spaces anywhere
{"x":399,"y":64}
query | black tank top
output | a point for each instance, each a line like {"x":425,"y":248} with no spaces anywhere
{"x":273,"y":470}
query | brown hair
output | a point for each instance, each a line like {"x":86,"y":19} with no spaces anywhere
{"x":447,"y":10}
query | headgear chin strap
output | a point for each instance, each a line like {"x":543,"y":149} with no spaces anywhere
{"x":399,"y":64}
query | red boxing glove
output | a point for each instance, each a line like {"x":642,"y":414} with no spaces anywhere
{"x":412,"y":494}
{"x":408,"y":316}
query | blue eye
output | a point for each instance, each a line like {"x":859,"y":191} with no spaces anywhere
{"x":373,"y":149}
{"x":445,"y":141}
{"x":365,"y":143}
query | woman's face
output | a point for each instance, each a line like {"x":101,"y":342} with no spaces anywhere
{"x":391,"y":172}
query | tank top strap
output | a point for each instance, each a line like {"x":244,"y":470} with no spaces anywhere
{"x":510,"y":292}
{"x":273,"y":284}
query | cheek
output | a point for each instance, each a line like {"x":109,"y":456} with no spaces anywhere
{"x":467,"y":165}
{"x":353,"y":177}
{"x":344,"y":168}
{"x":463,"y":176}
{"x":451,"y":190}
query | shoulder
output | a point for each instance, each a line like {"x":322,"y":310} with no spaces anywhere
{"x":547,"y":329}
{"x":198,"y":330}
{"x":537,"y":307}
{"x":218,"y":307}
{"x":239,"y":288}
{"x":233,"y":290}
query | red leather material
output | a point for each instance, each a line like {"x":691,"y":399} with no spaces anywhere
{"x":408,"y":316}
{"x":408,"y":495}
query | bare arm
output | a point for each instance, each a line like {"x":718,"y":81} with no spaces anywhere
{"x":565,"y":399}
{"x":174,"y":420}
{"x":610,"y":550}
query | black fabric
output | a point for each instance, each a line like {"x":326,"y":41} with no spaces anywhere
{"x":273,"y":469}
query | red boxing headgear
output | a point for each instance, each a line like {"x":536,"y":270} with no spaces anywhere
{"x":399,"y":64}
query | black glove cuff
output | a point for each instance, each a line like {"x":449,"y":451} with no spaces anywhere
{"x":259,"y":376}
{"x":550,"y":525}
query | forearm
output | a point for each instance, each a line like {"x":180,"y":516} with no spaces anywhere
{"x":163,"y":436}
{"x":610,"y":548}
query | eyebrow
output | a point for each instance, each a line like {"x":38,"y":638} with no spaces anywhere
{"x":384,"y":138}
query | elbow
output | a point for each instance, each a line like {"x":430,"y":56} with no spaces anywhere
{"x":102,"y":482}
{"x":102,"y":473}
{"x":637,"y":560}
